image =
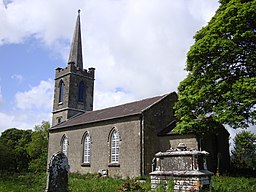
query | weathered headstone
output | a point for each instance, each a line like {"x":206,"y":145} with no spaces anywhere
{"x":57,"y":179}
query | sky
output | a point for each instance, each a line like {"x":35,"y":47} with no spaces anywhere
{"x":138,"y":48}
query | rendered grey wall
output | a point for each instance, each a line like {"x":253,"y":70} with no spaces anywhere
{"x":156,"y":118}
{"x":130,"y":158}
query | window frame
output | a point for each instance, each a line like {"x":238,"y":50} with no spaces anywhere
{"x":86,"y":153}
{"x":81,"y":89}
{"x":114,"y":141}
{"x":61,"y":91}
{"x":64,"y":144}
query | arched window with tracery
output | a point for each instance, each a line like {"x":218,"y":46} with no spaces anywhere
{"x":61,"y":91}
{"x":114,"y":146}
{"x":64,"y":145}
{"x":81,"y":91}
{"x":86,"y":148}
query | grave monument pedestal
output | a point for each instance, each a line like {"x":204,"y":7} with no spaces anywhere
{"x":186,"y":167}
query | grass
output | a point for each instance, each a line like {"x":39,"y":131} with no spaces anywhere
{"x":229,"y":184}
{"x":26,"y":182}
{"x":91,"y":183}
{"x":86,"y":183}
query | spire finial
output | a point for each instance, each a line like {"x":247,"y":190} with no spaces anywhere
{"x":79,"y":11}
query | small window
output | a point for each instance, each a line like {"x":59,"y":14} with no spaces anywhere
{"x":59,"y":120}
{"x":81,"y":91}
{"x":64,"y":145}
{"x":87,"y":149}
{"x":114,"y":151}
{"x":61,"y":91}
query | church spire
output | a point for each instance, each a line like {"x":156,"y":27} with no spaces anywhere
{"x":76,"y":54}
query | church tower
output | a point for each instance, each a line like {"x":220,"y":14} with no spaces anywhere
{"x":74,"y":86}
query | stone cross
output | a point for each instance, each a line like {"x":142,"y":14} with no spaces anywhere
{"x":57,"y":179}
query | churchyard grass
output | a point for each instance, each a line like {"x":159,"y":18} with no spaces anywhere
{"x":229,"y":184}
{"x":91,"y":183}
{"x":27,"y":182}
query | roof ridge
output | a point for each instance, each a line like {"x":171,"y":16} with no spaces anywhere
{"x":131,"y":102}
{"x":161,"y":97}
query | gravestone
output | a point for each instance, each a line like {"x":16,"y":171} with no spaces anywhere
{"x":185,"y":167}
{"x":57,"y":179}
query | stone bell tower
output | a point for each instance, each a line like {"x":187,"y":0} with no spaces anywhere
{"x":74,"y":86}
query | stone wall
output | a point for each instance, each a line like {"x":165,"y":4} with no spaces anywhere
{"x":189,"y":140}
{"x":216,"y":142}
{"x":130,"y":150}
{"x":70,"y":106}
{"x":181,"y":184}
{"x":156,"y":118}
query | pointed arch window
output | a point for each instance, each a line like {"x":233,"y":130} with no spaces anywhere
{"x":64,"y":145}
{"x":81,"y":91}
{"x":61,"y":91}
{"x":114,"y":149}
{"x":86,"y":148}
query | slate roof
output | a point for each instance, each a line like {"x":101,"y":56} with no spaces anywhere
{"x":168,"y":130}
{"x":128,"y":109}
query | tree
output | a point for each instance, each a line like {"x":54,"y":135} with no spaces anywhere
{"x":7,"y":158}
{"x":13,"y":146}
{"x":37,"y":148}
{"x":221,"y":81}
{"x":244,"y":153}
{"x":24,"y":150}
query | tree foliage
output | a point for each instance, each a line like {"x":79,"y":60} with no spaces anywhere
{"x":13,"y":142}
{"x":24,"y":150}
{"x":221,"y":81}
{"x":37,"y":148}
{"x":244,"y":153}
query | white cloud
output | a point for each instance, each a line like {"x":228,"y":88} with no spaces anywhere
{"x":107,"y":99}
{"x":32,"y":107}
{"x":18,"y":78}
{"x":38,"y":97}
{"x":144,"y":44}
{"x":22,"y":119}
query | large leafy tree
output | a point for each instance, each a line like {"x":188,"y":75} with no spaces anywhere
{"x":221,"y":82}
{"x":13,"y":150}
{"x":244,"y":153}
{"x":24,"y":150}
{"x":38,"y":147}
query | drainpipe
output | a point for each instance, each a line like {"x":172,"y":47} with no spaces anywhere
{"x":142,"y":171}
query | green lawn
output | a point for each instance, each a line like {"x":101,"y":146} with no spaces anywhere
{"x":91,"y":183}
{"x":77,"y":183}
{"x":229,"y":184}
{"x":22,"y":183}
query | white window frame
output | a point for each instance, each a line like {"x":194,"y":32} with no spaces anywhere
{"x":87,"y":149}
{"x":64,"y":145}
{"x":114,"y":147}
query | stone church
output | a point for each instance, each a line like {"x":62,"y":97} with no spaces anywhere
{"x":123,"y":139}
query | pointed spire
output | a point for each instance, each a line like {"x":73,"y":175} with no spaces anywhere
{"x":76,"y":54}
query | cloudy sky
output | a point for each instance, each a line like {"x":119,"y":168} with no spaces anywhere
{"x":138,"y":48}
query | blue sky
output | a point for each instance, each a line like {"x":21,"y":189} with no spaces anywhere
{"x":138,"y":48}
